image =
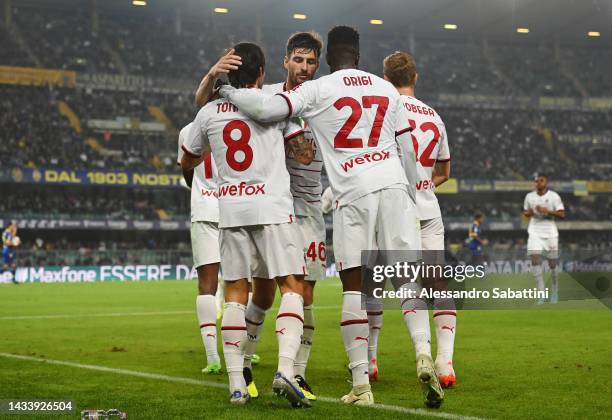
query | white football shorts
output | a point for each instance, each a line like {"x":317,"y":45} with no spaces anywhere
{"x":312,"y":229}
{"x":432,"y":240}
{"x":205,"y":243}
{"x":382,"y":220}
{"x":548,"y":247}
{"x":263,"y":251}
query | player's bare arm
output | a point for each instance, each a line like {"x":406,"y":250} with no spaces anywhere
{"x":188,"y":176}
{"x":441,"y":172}
{"x":256,"y":104}
{"x":560,"y":214}
{"x":227,"y":62}
{"x":189,"y":162}
{"x":301,"y":149}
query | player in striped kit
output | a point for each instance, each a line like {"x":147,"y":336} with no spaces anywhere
{"x":301,"y":61}
{"x":259,"y":238}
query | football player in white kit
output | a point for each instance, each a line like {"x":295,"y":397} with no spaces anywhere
{"x":430,"y":143}
{"x":542,"y":207}
{"x":301,"y":61}
{"x":205,"y":247}
{"x":259,"y":237}
{"x":355,"y":117}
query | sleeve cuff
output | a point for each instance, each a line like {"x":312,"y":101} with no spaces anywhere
{"x":286,"y":98}
{"x":443,"y":160}
{"x":189,"y":152}
{"x":405,"y":130}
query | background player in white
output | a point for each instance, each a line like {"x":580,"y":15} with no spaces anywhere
{"x":258,"y":235}
{"x":205,"y":247}
{"x":303,"y":50}
{"x":542,"y":207}
{"x":430,"y":143}
{"x":355,"y":117}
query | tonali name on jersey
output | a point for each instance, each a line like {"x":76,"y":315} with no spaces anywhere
{"x":430,"y":144}
{"x":204,"y":203}
{"x":253,"y":182}
{"x":306,"y":186}
{"x":354,"y":117}
{"x":540,"y":225}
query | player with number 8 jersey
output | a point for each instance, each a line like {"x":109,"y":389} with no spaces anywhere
{"x":259,"y":238}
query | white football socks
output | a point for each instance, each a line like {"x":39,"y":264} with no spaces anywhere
{"x":374,"y":308}
{"x":416,"y":316}
{"x":355,"y":333}
{"x":207,"y":318}
{"x":254,"y":318}
{"x":234,"y":335}
{"x":539,"y":277}
{"x":301,"y":359}
{"x":446,"y":324}
{"x":555,"y":283}
{"x":289,"y":329}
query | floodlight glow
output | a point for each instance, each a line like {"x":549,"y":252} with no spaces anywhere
{"x":450,"y":26}
{"x":376,"y":21}
{"x":594,"y":33}
{"x":221,"y":10}
{"x":299,"y":16}
{"x":139,"y":3}
{"x":522,"y":30}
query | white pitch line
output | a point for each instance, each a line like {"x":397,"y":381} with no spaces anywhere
{"x":385,"y":407}
{"x":118,"y":314}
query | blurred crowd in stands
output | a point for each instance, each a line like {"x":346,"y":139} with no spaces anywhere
{"x":155,"y":45}
{"x":485,"y":144}
{"x":100,"y":203}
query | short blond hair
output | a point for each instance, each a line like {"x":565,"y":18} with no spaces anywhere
{"x":400,"y":69}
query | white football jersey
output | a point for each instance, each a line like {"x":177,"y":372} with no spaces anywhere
{"x":539,"y":224}
{"x":430,"y":145}
{"x":253,"y":182}
{"x":204,"y":203}
{"x":354,"y":116}
{"x":306,"y":186}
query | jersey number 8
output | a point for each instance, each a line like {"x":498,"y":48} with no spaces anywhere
{"x":241,"y":144}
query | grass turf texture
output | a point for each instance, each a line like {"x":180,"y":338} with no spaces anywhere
{"x":540,"y":363}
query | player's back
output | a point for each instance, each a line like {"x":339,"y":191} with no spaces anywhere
{"x":430,"y":144}
{"x":253,"y":182}
{"x":353,"y":115}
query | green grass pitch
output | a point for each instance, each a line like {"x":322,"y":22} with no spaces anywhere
{"x":538,"y":363}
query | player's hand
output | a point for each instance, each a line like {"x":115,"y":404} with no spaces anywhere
{"x":228,"y":62}
{"x":542,"y":210}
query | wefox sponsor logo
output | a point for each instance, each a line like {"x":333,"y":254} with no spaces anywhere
{"x":363,"y":159}
{"x":241,"y":189}
{"x":209,"y":193}
{"x":425,"y":184}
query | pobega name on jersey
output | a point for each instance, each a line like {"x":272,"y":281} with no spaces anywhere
{"x":204,"y":203}
{"x":252,"y":182}
{"x":306,"y":186}
{"x":539,"y":224}
{"x":353,"y":116}
{"x":430,"y":144}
